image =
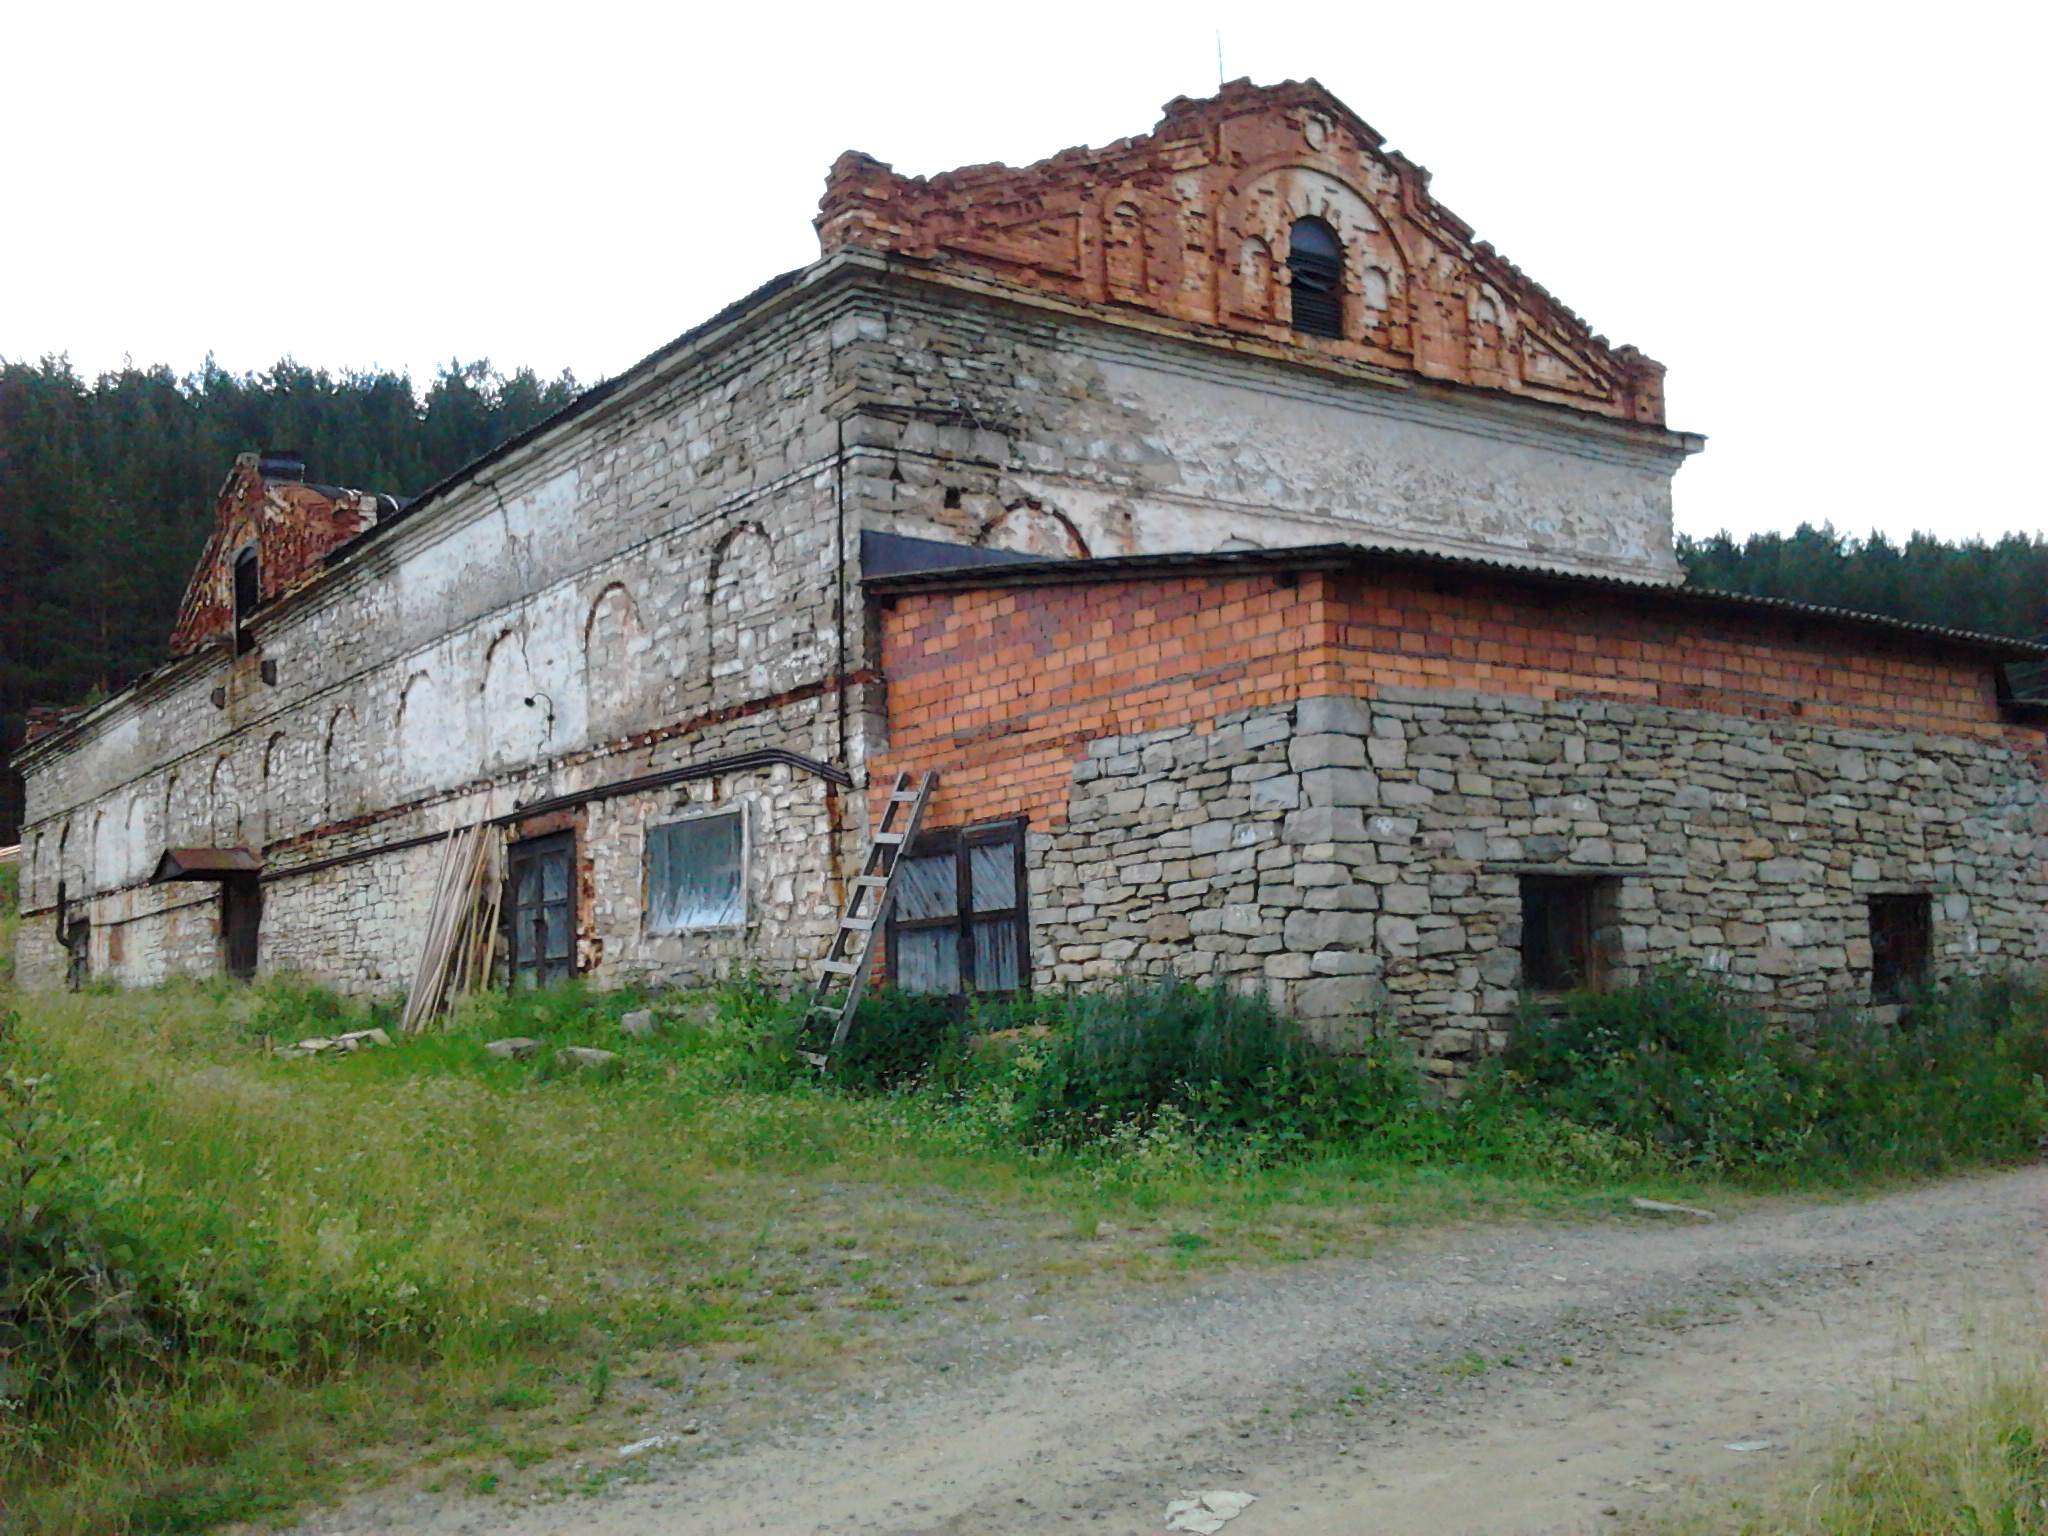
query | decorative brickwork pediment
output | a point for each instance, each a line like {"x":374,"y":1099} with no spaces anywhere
{"x":1192,"y":223}
{"x":289,"y":525}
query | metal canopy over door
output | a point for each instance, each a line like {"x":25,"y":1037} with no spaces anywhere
{"x":541,"y":912}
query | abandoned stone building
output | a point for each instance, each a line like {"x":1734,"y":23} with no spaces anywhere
{"x":1280,"y":583}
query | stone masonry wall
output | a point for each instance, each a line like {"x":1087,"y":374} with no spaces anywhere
{"x":990,"y":424}
{"x":659,"y":587}
{"x":1278,"y":779}
{"x":1355,"y":857}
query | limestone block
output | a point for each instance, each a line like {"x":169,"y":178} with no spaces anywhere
{"x":1340,"y":787}
{"x":1310,"y":930}
{"x":1242,"y":918}
{"x":1325,"y":751}
{"x":1341,"y":898}
{"x":1338,"y":996}
{"x":1333,"y":714}
{"x":1397,"y":934}
{"x":1325,"y":824}
{"x":1263,"y":730}
{"x":1282,"y":793}
{"x":1788,"y":872}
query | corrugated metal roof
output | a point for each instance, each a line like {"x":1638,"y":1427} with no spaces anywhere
{"x":1338,"y":556}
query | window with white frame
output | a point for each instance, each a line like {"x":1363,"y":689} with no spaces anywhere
{"x":697,"y":873}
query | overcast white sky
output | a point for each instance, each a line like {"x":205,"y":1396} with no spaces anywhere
{"x":1824,"y":218}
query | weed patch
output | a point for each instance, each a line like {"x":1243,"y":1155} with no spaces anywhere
{"x":225,"y":1273}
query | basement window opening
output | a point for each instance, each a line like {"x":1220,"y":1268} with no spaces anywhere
{"x":696,"y":873}
{"x":1315,"y":261}
{"x":1901,"y":945}
{"x":1564,"y":920}
{"x":957,"y":924}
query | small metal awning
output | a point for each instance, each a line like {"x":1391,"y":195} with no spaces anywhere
{"x":204,"y":864}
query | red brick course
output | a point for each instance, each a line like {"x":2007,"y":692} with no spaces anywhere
{"x":1002,"y":689}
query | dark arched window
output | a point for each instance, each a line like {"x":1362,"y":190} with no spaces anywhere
{"x":1316,"y":261}
{"x":248,"y":593}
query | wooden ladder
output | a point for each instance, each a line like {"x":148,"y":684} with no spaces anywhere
{"x":843,"y":973}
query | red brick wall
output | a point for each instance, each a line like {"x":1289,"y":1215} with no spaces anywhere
{"x":1003,"y":689}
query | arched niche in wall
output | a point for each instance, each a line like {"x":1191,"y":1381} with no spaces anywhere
{"x":64,"y":879}
{"x":1490,"y":335}
{"x":1255,"y":279}
{"x":1262,"y":212}
{"x":224,"y":800}
{"x":741,"y":607}
{"x":136,"y":854}
{"x":105,"y":855}
{"x":276,"y":791}
{"x":614,"y":662}
{"x":1126,"y":260}
{"x":513,"y":730}
{"x":1030,"y":528}
{"x":338,"y":766}
{"x":412,"y":732}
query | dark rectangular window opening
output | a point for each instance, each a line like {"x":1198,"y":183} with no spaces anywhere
{"x":696,"y":874}
{"x":248,"y":593}
{"x":958,"y":921}
{"x":1901,"y":945}
{"x":1565,"y":919}
{"x":540,"y":910}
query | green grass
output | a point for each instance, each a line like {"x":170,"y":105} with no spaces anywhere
{"x":1966,"y":1457}
{"x":253,"y":1280}
{"x":344,"y":1264}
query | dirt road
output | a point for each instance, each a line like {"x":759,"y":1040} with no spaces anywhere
{"x":1504,"y":1381}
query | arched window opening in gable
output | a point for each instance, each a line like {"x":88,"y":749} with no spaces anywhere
{"x":1315,"y":262}
{"x":248,"y":593}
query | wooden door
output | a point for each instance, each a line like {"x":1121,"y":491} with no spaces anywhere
{"x":540,"y":911}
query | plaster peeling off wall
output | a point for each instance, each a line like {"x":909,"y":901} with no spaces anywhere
{"x":1280,"y":469}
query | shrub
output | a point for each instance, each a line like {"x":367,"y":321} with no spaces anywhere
{"x":1685,"y":1069}
{"x":1956,"y":1077}
{"x":897,"y":1038}
{"x":1227,"y":1064}
{"x":81,"y":1305}
{"x":10,"y":909}
{"x":1676,"y":1065}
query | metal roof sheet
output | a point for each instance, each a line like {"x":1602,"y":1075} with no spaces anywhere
{"x":1337,"y":556}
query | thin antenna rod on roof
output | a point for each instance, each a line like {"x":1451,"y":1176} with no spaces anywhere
{"x":1219,"y":58}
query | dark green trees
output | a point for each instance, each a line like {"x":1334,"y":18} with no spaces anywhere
{"x":107,"y":489}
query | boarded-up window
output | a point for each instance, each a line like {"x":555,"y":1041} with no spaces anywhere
{"x":958,"y":920}
{"x":696,"y":873}
{"x":1901,"y":943}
